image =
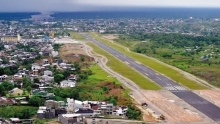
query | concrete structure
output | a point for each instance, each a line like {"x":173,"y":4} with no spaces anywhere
{"x":67,"y":83}
{"x":44,"y":112}
{"x":70,"y":118}
{"x":15,"y":121}
{"x":55,"y":104}
{"x":70,"y":105}
{"x":11,"y":38}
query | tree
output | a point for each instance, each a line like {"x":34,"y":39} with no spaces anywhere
{"x":7,"y":86}
{"x":27,"y":82}
{"x":36,"y":80}
{"x":82,"y":58}
{"x":58,"y":78}
{"x":28,"y":88}
{"x":112,"y":100}
{"x":2,"y":90}
{"x":7,"y":71}
{"x":133,"y":113}
{"x":35,"y":101}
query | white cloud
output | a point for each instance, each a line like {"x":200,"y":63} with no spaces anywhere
{"x":79,"y":5}
{"x":178,"y":3}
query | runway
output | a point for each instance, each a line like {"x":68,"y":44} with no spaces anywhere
{"x":204,"y":106}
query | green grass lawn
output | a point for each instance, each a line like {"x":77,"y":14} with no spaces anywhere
{"x":173,"y":74}
{"x":125,"y":70}
{"x":100,"y":75}
{"x":77,"y":36}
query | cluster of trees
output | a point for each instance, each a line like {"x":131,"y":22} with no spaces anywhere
{"x":36,"y":101}
{"x":133,"y":113}
{"x":56,"y":47}
{"x":1,"y":47}
{"x":65,"y":92}
{"x":177,"y":40}
{"x":22,"y":112}
{"x":9,"y":70}
{"x":5,"y":87}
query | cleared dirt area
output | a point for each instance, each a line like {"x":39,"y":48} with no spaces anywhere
{"x":73,"y":53}
{"x":175,"y":113}
{"x":213,"y":95}
{"x":116,"y":91}
{"x":110,"y":37}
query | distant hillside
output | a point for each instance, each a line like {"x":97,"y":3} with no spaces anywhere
{"x":16,"y":16}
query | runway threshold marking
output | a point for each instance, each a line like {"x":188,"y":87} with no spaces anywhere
{"x":127,"y":62}
{"x":138,"y":62}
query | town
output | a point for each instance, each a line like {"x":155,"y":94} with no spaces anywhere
{"x":52,"y":72}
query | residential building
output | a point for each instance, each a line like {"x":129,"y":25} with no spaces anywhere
{"x":15,"y":121}
{"x":70,"y":118}
{"x":67,"y":83}
{"x":70,"y":105}
{"x":44,"y":112}
{"x":85,"y":112}
{"x":16,"y":92}
{"x":48,"y":73}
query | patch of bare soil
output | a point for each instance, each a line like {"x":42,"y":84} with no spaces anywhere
{"x":212,"y":94}
{"x":115,"y":91}
{"x":110,"y":37}
{"x":175,"y":112}
{"x":73,"y":53}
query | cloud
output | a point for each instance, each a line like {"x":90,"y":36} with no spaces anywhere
{"x":84,"y":5}
{"x":165,"y":3}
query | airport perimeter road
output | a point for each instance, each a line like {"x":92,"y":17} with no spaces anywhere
{"x":204,"y":106}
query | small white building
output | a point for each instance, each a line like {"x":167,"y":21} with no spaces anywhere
{"x":35,"y":67}
{"x":67,"y":83}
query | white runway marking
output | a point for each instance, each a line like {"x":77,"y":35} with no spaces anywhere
{"x":175,"y":88}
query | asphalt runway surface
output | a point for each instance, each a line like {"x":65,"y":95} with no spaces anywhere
{"x":204,"y":106}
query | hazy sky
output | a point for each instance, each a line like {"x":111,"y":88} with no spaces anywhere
{"x":82,"y":5}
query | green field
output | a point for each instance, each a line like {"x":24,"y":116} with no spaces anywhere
{"x":77,"y":36}
{"x":100,"y":75}
{"x":125,"y":70}
{"x":173,"y":74}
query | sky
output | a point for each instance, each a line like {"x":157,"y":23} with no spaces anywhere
{"x":89,"y":5}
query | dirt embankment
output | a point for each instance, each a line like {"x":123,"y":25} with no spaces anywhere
{"x":175,"y":113}
{"x":74,"y":53}
{"x":116,"y":91}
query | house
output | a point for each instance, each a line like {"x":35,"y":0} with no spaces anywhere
{"x":59,"y":62}
{"x":55,"y":104}
{"x":45,"y":61}
{"x":120,"y":111}
{"x":45,"y":53}
{"x":70,"y":105}
{"x":44,"y":112}
{"x":3,"y":77}
{"x":42,"y":93}
{"x":70,"y":118}
{"x":7,"y":101}
{"x":67,"y":83}
{"x":16,"y":92}
{"x":85,"y":112}
{"x":48,"y":73}
{"x":72,"y":77}
{"x":15,"y":121}
{"x":35,"y":67}
{"x":47,"y":78}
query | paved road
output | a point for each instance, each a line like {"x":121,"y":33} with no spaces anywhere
{"x":191,"y":98}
